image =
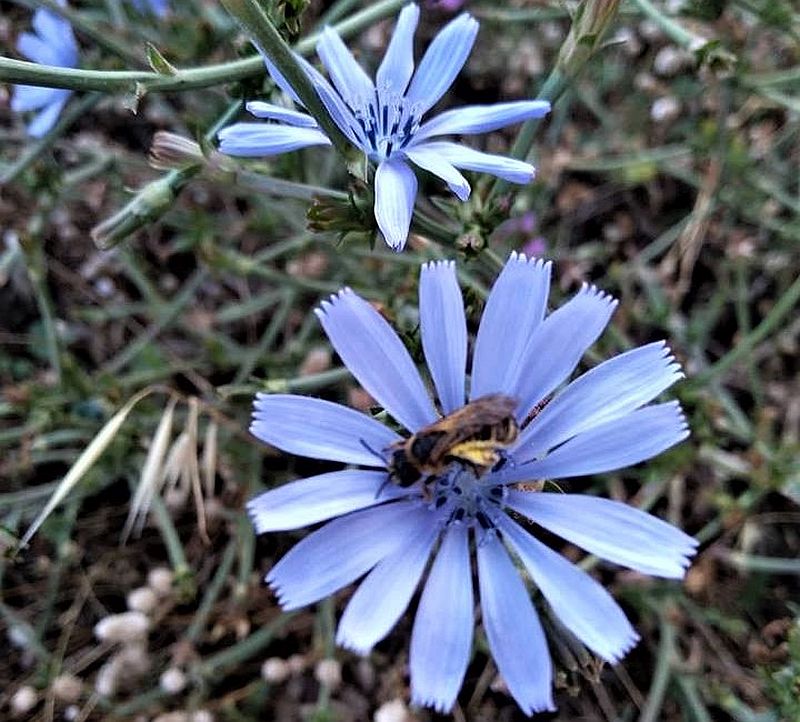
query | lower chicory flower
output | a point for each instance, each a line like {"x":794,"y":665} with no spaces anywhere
{"x":53,"y":43}
{"x":601,"y":421}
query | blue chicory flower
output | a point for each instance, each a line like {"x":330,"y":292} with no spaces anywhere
{"x":159,"y":8}
{"x":52,"y":43}
{"x":599,"y":422}
{"x":384,"y":119}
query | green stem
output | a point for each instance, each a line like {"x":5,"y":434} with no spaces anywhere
{"x":112,"y":81}
{"x":212,"y":593}
{"x":785,"y":304}
{"x":255,"y":21}
{"x":663,"y":672}
{"x":675,"y":31}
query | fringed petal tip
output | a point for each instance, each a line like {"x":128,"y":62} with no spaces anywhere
{"x":536,"y":263}
{"x":442,"y":706}
{"x":352,"y":645}
{"x":340,"y":296}
{"x":589,"y":289}
{"x":437,"y":266}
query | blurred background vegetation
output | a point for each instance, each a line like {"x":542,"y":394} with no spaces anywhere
{"x":668,"y":175}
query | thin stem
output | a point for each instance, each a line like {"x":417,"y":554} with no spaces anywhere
{"x":663,"y":672}
{"x":785,"y":304}
{"x":112,"y":81}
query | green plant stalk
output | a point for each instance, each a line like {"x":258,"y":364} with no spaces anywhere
{"x":255,"y":21}
{"x":212,"y":593}
{"x":675,"y":31}
{"x":662,"y":674}
{"x":785,"y":304}
{"x":175,"y":552}
{"x":114,"y":81}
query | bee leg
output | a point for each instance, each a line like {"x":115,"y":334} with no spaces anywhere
{"x":372,"y":451}
{"x":386,"y":482}
{"x":505,"y":460}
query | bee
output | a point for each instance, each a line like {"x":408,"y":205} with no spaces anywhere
{"x":474,"y":435}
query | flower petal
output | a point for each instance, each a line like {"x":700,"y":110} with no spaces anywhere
{"x":581,"y":604}
{"x":343,"y":550}
{"x":395,"y":193}
{"x":444,"y":331}
{"x":397,"y":65}
{"x":442,"y":62}
{"x":472,"y":119}
{"x":349,"y":78}
{"x":615,"y":444}
{"x":614,"y":388}
{"x":384,"y":595}
{"x":461,"y":156}
{"x":262,"y":139}
{"x":513,"y":629}
{"x":377,"y":358}
{"x":37,"y":49}
{"x":611,"y":530}
{"x":434,"y":163}
{"x":57,"y":33}
{"x":33,"y":97}
{"x":319,"y":498}
{"x":47,"y":117}
{"x":441,"y":642}
{"x":319,"y":429}
{"x":557,"y":345}
{"x":278,"y":77}
{"x":271,"y":111}
{"x":515,"y":307}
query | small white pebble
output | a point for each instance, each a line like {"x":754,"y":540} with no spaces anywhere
{"x":297,"y":663}
{"x":67,"y":688}
{"x":172,"y":680}
{"x":160,"y":581}
{"x":329,"y":672}
{"x":19,"y":636}
{"x":665,"y":109}
{"x":125,"y":627}
{"x":394,"y":711}
{"x":142,"y":599}
{"x":670,"y":61}
{"x":72,"y":713}
{"x":202,"y":715}
{"x":24,"y":700}
{"x":275,"y":670}
{"x":172,"y":717}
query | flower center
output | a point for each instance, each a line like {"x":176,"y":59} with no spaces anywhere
{"x":466,"y":498}
{"x":387,"y":123}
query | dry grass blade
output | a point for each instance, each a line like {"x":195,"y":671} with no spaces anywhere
{"x":210,"y":457}
{"x":194,"y":467}
{"x":152,"y":476}
{"x":83,"y":463}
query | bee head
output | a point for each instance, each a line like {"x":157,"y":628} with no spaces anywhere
{"x":403,"y":472}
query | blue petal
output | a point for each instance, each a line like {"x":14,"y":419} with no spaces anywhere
{"x":349,"y":78}
{"x":336,"y":107}
{"x":615,"y":444}
{"x":432,"y":162}
{"x":57,"y":33}
{"x":319,"y":429}
{"x":442,"y":62}
{"x":473,"y":119}
{"x":581,"y":604}
{"x":262,"y":139}
{"x":318,"y":498}
{"x":461,"y":156}
{"x":610,"y":390}
{"x":611,"y":530}
{"x":37,"y":49}
{"x":513,"y":629}
{"x":46,"y":118}
{"x":383,"y":596}
{"x":515,"y":308}
{"x":397,"y":66}
{"x":278,"y":77}
{"x":377,"y":358}
{"x":444,"y":331}
{"x":33,"y":97}
{"x":555,"y":348}
{"x":278,"y":112}
{"x":395,"y":193}
{"x":343,"y":550}
{"x":441,"y":642}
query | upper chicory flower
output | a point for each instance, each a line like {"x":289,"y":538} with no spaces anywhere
{"x":159,"y":8}
{"x":384,"y":118}
{"x":53,"y":43}
{"x":601,"y":421}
